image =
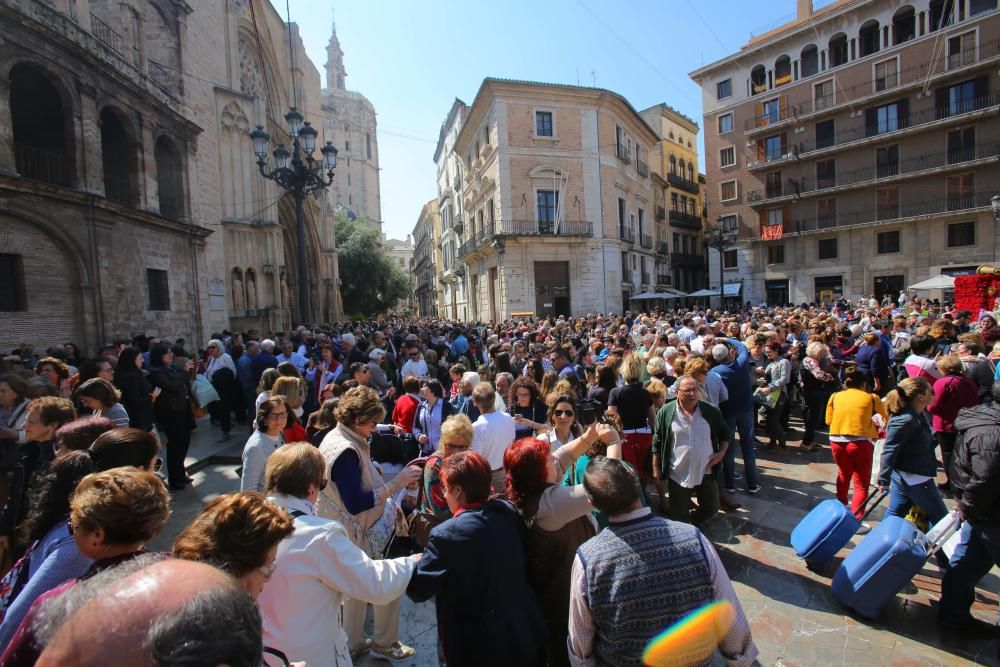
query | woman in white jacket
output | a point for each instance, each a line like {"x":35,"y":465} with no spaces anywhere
{"x":316,"y":567}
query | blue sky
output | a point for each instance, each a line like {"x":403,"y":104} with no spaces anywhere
{"x":411,"y":59}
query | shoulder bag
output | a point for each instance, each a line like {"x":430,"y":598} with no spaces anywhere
{"x":378,"y":538}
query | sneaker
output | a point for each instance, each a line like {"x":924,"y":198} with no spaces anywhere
{"x":398,"y":652}
{"x":728,"y":490}
{"x":737,"y":476}
{"x":864,"y":529}
{"x":753,"y":488}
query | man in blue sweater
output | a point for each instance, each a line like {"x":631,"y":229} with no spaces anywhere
{"x":732,"y":364}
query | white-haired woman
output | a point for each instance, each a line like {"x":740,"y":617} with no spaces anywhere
{"x":220,"y":370}
{"x":819,"y":380}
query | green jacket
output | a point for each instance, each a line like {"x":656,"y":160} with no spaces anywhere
{"x":663,"y":435}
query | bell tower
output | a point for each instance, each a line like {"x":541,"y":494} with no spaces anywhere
{"x":336,"y":75}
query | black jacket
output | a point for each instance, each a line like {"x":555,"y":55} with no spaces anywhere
{"x":136,"y":398}
{"x":982,"y":373}
{"x":475,"y":563}
{"x":975,"y":467}
{"x":175,"y":393}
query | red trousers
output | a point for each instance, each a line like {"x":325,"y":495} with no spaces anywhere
{"x":854,"y":462}
{"x":636,"y":448}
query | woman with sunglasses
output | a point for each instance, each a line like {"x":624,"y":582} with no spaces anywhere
{"x":562,"y":422}
{"x":456,"y":436}
{"x":272,"y":418}
{"x":317,"y":566}
{"x":113,"y":514}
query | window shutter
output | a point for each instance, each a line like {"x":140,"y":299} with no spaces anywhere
{"x":981,"y":90}
{"x":941,"y":102}
{"x":786,"y":222}
{"x":903,"y":111}
{"x":871,"y":122}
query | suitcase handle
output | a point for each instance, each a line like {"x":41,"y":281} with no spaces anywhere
{"x":937,"y":545}
{"x":882,"y":495}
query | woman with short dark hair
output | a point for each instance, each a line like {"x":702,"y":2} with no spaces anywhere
{"x":126,"y":447}
{"x":475,"y":564}
{"x":101,"y":398}
{"x":79,"y":434}
{"x":173,"y":411}
{"x":431,"y":413}
{"x":272,"y":418}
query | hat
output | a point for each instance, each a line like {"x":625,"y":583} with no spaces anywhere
{"x":376,"y":354}
{"x":349,"y":339}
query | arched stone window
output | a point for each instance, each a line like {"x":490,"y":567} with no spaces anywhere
{"x":868,"y":38}
{"x":691,"y":172}
{"x":169,"y":178}
{"x":758,"y":80}
{"x":43,"y":149}
{"x":782,"y":71}
{"x":673,"y":164}
{"x":838,"y":49}
{"x":809,"y":59}
{"x":118,"y":155}
{"x":904,"y":25}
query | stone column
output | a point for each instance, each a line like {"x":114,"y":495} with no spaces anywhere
{"x":87,"y":137}
{"x":7,"y":162}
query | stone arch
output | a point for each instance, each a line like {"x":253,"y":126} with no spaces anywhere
{"x":869,"y":38}
{"x":169,"y":177}
{"x":809,"y":60}
{"x":119,"y":156}
{"x":42,"y":125}
{"x":673,"y":164}
{"x":904,"y":24}
{"x":59,"y":307}
{"x":758,"y":79}
{"x":257,"y":65}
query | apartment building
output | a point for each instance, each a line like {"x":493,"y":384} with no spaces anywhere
{"x":558,"y":200}
{"x":450,"y":205}
{"x":427,"y":261}
{"x":681,"y":261}
{"x":855,"y":149}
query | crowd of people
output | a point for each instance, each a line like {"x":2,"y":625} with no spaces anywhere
{"x":543,"y":480}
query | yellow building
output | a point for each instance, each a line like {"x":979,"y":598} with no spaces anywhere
{"x":429,"y":299}
{"x":679,"y":192}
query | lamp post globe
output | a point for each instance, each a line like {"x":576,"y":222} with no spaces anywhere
{"x":294,"y":120}
{"x":307,"y":136}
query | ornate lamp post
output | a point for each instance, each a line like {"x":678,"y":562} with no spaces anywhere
{"x":298,"y":175}
{"x":720,"y":238}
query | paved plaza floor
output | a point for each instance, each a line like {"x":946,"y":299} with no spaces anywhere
{"x":795,"y":619}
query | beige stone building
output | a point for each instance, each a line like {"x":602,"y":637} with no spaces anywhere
{"x":681,"y":261}
{"x":426,"y":266}
{"x":557,"y":199}
{"x":349,"y":122}
{"x":854,"y":150}
{"x":125,"y":164}
{"x":401,"y":253}
{"x":454,"y":292}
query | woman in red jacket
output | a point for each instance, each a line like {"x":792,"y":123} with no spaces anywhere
{"x":405,"y":410}
{"x":952,"y":392}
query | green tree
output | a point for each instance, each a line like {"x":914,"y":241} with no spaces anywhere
{"x":370,"y":282}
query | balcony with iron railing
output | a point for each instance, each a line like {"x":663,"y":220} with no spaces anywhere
{"x":645,"y":240}
{"x":685,"y":184}
{"x":661,"y":213}
{"x":106,"y":34}
{"x":923,"y":165}
{"x":456,"y":224}
{"x":623,"y":153}
{"x":900,"y":211}
{"x":526,"y":228}
{"x":686,"y":259}
{"x":163,"y":76}
{"x":684,"y":220}
{"x":661,"y":248}
{"x":118,"y":187}
{"x":39,"y":164}
{"x":861,"y":132}
{"x":875,"y":87}
{"x":642,"y":168}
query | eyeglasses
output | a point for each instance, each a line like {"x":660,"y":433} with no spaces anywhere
{"x":563,"y":413}
{"x":450,"y":446}
{"x":524,"y":394}
{"x":415,"y":355}
{"x":268,"y":570}
{"x":278,"y":415}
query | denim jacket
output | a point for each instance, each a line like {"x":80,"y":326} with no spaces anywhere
{"x":908,"y":447}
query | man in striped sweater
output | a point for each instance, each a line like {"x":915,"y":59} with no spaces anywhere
{"x":640,"y":575}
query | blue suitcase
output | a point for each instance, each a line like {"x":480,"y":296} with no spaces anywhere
{"x":826,"y":529}
{"x":885,"y":561}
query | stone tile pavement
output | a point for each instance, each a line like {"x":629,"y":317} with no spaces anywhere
{"x":794,"y":617}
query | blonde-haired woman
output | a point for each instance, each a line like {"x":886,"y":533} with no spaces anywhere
{"x":908,"y":465}
{"x":356,"y":497}
{"x":711,"y":388}
{"x":634,"y":406}
{"x":293,"y":390}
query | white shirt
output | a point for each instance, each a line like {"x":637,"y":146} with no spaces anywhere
{"x":692,"y":448}
{"x":298,"y":360}
{"x":221,"y":361}
{"x":494,"y":433}
{"x":316,"y":568}
{"x":417,"y":369}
